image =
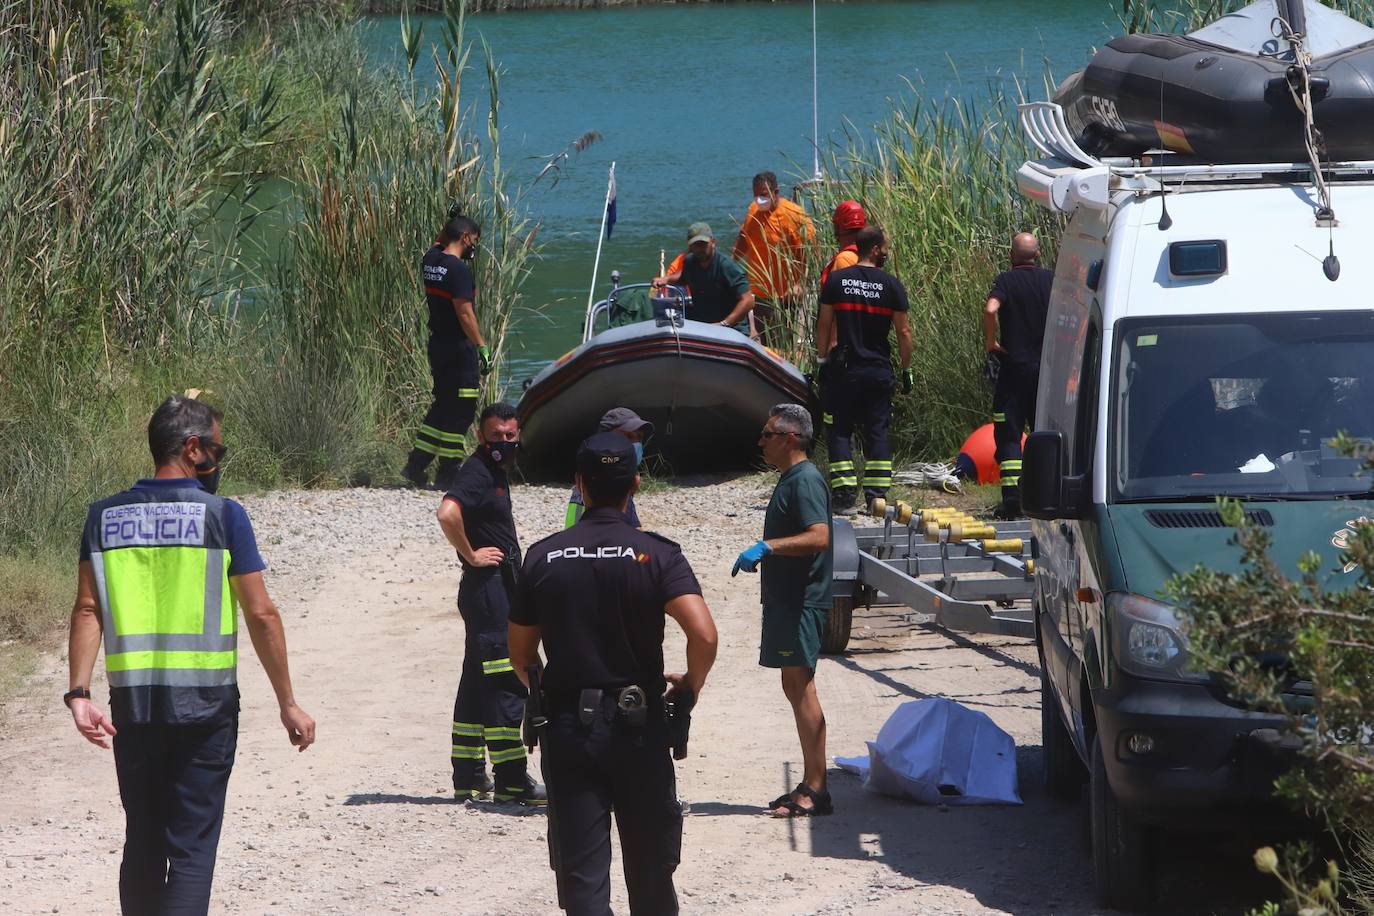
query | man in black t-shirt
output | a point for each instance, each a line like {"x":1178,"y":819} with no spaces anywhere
{"x":596,"y":595}
{"x":863,"y":304}
{"x":458,"y":357}
{"x":475,"y":516}
{"x":1018,"y":305}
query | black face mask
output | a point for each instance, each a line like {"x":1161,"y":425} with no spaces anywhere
{"x":502,"y":454}
{"x":469,"y":252}
{"x":207,"y":472}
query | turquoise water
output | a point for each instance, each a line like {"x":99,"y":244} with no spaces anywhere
{"x":692,"y":100}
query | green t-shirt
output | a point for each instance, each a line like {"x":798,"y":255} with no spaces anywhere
{"x":716,"y":287}
{"x":801,"y":499}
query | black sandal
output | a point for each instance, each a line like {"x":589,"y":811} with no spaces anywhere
{"x":785,"y":797}
{"x":821,"y":804}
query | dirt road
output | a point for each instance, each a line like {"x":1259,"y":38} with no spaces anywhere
{"x":364,"y":823}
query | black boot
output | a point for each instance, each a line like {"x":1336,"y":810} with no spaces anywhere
{"x":524,"y":792}
{"x":1008,"y":509}
{"x":870,"y":495}
{"x":842,"y":501}
{"x":471,"y":784}
{"x":446,"y":473}
{"x":414,"y":471}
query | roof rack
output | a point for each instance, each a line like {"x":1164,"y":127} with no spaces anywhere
{"x":1044,"y":125}
{"x":1070,"y":178}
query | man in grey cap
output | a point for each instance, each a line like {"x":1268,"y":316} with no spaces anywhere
{"x":632,"y":426}
{"x":720,"y":287}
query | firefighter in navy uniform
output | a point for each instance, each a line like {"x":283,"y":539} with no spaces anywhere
{"x":596,"y":595}
{"x":862,"y":304}
{"x":458,"y":357}
{"x":475,"y":516}
{"x":1018,"y":305}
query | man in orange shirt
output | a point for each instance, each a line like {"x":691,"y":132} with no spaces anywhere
{"x":772,"y":247}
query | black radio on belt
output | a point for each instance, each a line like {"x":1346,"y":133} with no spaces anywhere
{"x":631,"y":705}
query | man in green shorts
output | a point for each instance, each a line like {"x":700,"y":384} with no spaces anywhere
{"x":797,"y":559}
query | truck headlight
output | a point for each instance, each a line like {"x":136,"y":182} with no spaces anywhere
{"x":1149,"y":638}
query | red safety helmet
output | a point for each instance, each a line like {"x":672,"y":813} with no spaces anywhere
{"x":850,"y":215}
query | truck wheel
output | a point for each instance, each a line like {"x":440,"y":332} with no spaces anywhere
{"x":837,"y":626}
{"x":1062,"y":772}
{"x":1123,"y":866}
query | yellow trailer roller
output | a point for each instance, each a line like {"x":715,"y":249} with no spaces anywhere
{"x":1007,"y":545}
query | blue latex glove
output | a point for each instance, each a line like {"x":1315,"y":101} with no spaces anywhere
{"x":748,"y":560}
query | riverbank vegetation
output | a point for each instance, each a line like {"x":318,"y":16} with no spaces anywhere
{"x":138,"y":141}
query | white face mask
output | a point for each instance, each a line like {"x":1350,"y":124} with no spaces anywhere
{"x":764,"y":203}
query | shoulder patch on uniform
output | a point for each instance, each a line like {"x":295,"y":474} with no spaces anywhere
{"x":658,"y":537}
{"x":535,"y":546}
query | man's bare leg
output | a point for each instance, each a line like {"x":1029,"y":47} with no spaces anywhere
{"x":799,"y":685}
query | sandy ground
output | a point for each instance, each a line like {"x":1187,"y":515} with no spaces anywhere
{"x":364,"y":822}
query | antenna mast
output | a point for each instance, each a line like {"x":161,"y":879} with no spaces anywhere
{"x":815,"y":103}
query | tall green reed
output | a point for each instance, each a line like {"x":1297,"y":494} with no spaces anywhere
{"x":939,"y":178}
{"x":113,"y":168}
{"x":343,"y":332}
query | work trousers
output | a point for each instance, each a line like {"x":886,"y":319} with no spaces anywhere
{"x":1013,"y":409}
{"x":770,"y":320}
{"x":591,"y":770}
{"x":442,"y":434}
{"x":491,"y":699}
{"x":172,"y":782}
{"x":859,"y":399}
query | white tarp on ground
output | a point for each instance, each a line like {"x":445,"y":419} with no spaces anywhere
{"x":939,"y":752}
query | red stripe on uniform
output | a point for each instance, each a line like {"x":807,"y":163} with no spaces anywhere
{"x":862,"y":307}
{"x":441,"y":293}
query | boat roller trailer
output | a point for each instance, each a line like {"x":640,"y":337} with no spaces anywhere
{"x":949,"y":568}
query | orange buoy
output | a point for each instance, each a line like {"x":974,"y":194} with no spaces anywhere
{"x":982,"y":451}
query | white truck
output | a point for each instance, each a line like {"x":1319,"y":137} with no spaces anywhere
{"x":1211,"y":329}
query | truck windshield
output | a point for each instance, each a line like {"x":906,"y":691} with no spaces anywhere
{"x":1241,"y":406}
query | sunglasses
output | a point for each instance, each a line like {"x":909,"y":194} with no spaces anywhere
{"x":216,"y":450}
{"x":770,"y":433}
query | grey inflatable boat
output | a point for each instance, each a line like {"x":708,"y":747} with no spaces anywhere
{"x":707,"y":389}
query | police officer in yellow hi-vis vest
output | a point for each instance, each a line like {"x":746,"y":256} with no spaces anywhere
{"x":163,"y":565}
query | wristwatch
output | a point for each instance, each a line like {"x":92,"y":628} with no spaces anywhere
{"x":76,"y":693}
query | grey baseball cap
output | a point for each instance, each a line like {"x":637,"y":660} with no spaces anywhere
{"x":699,"y":232}
{"x":618,"y":418}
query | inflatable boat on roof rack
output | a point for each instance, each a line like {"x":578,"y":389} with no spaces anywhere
{"x":707,"y":389}
{"x":1225,"y":93}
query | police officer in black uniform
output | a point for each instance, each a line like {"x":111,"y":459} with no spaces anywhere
{"x":476,"y":518}
{"x":596,"y":595}
{"x":1018,"y":304}
{"x":863,"y":304}
{"x":458,"y":357}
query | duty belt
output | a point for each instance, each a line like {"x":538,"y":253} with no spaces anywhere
{"x":630,"y":705}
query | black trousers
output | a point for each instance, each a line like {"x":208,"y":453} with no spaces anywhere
{"x":443,"y":432}
{"x":859,"y":398}
{"x":1013,"y":409}
{"x":491,"y":700}
{"x":594,"y":769}
{"x":172,"y":782}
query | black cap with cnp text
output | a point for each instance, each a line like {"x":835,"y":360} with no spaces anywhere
{"x":606,"y":457}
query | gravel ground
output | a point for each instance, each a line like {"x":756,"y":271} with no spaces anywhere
{"x":364,"y":823}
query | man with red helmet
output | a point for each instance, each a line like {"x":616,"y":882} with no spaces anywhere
{"x":849,"y":218}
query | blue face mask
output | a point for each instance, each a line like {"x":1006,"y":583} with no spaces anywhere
{"x":639,"y":453}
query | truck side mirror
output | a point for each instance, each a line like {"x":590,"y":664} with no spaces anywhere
{"x":1042,"y":475}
